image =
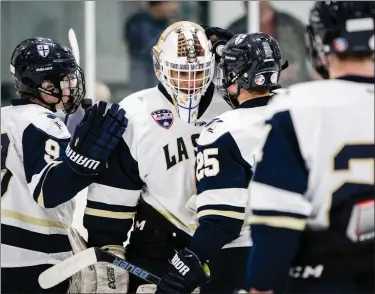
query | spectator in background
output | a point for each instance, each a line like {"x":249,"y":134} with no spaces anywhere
{"x":290,"y":33}
{"x":141,"y":33}
{"x":102,"y":93}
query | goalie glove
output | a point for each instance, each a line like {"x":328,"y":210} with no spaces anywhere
{"x":95,"y":137}
{"x":102,"y":277}
{"x":218,"y":37}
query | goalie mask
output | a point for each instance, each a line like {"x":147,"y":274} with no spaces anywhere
{"x":184,"y":64}
{"x":42,"y":65}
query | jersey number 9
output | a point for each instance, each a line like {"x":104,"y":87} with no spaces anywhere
{"x":52,"y":149}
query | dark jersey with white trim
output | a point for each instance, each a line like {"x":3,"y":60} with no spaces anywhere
{"x":31,"y":138}
{"x":224,"y":168}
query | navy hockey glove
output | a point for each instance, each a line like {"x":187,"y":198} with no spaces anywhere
{"x":219,"y":37}
{"x":183,"y":275}
{"x":95,"y":137}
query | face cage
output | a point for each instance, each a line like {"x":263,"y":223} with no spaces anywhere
{"x":229,"y":98}
{"x":224,"y":81}
{"x":313,"y":51}
{"x":175,"y":86}
{"x":70,"y":85}
{"x":222,"y":85}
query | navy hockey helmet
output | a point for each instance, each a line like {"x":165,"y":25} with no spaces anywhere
{"x":252,"y":61}
{"x":339,"y":27}
{"x":37,"y":61}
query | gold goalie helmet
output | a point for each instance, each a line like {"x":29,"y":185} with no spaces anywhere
{"x":184,"y":64}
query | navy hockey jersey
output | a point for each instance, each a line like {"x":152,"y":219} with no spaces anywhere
{"x":224,"y":168}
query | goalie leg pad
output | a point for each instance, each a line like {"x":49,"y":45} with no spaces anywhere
{"x":111,"y":278}
{"x":101,"y":277}
{"x":85,"y":280}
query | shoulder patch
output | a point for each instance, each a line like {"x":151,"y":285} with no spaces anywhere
{"x":163,"y":117}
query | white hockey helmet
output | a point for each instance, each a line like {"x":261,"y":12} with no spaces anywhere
{"x":184,"y":64}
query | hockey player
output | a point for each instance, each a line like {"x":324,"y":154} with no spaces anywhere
{"x":312,"y":195}
{"x":251,"y":65}
{"x":33,"y":138}
{"x":152,"y":175}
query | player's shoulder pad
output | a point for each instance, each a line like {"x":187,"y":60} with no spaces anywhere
{"x":136,"y":103}
{"x":47,"y":121}
{"x":216,"y":128}
{"x":305,"y":94}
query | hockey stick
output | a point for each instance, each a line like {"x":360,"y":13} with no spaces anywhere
{"x":72,"y":265}
{"x":74,"y":44}
{"x":75,"y":49}
{"x":86,"y":103}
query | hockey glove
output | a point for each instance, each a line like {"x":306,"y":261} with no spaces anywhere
{"x":95,"y":137}
{"x":219,"y":37}
{"x":184,"y":274}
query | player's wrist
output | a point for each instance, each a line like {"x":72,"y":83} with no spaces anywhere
{"x":83,"y":165}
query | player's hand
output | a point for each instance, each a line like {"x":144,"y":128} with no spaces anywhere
{"x":183,"y":275}
{"x":219,"y":37}
{"x":95,"y":137}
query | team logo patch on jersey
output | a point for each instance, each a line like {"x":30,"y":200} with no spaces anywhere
{"x":163,"y":118}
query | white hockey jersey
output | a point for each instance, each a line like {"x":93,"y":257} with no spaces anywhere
{"x":31,"y":137}
{"x":316,"y":171}
{"x":155,"y":162}
{"x":225,"y":163}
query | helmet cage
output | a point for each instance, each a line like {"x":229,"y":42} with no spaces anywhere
{"x":184,"y":65}
{"x":192,"y":73}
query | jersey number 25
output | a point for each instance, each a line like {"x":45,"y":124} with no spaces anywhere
{"x":207,"y":163}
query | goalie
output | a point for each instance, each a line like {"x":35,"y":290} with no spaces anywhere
{"x":151,"y":175}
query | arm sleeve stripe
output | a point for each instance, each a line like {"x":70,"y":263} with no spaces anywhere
{"x":222,"y":207}
{"x":110,"y":207}
{"x":231,"y":214}
{"x":278,"y":222}
{"x":109,"y":214}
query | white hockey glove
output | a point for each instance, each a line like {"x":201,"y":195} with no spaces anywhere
{"x":101,"y":277}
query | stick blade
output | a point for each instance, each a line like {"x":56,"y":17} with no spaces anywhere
{"x":67,"y":268}
{"x":74,"y":44}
